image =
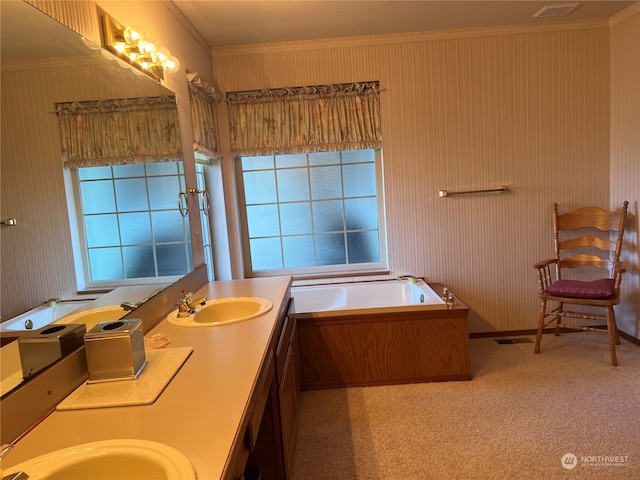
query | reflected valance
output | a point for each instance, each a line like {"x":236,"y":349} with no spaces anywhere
{"x":119,"y":131}
{"x":202,"y":99}
{"x":305,"y":119}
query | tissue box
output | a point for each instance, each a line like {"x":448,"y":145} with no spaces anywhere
{"x":40,"y":348}
{"x":115,"y":350}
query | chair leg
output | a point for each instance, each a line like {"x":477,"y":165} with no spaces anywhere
{"x":613,"y":335}
{"x":543,"y":311}
{"x":557,"y":332}
{"x":615,"y":326}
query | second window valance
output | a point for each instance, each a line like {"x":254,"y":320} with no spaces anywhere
{"x":305,"y":119}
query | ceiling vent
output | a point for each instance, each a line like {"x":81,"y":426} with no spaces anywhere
{"x":556,"y":10}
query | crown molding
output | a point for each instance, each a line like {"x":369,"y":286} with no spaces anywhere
{"x":623,"y":15}
{"x":186,"y":24}
{"x":411,"y":37}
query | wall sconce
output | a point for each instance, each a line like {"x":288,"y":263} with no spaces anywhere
{"x":132,"y":45}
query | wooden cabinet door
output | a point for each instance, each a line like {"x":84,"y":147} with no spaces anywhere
{"x":287,"y":399}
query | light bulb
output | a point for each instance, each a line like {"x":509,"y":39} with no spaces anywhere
{"x":134,"y":34}
{"x":147,"y":46}
{"x":160,"y":55}
{"x":171,"y":64}
{"x":119,"y":47}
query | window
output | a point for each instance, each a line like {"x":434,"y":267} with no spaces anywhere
{"x":312,"y":213}
{"x":128,"y":225}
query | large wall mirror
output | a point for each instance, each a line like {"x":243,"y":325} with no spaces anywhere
{"x":43,"y":63}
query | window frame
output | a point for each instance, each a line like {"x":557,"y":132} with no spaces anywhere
{"x":323,"y":270}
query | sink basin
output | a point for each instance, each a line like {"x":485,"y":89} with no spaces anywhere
{"x":223,"y":311}
{"x":92,"y":317}
{"x":107,"y":460}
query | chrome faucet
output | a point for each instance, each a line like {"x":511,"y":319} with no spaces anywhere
{"x":448,"y":297}
{"x":4,"y":450}
{"x":187,"y":305}
{"x":129,"y":306}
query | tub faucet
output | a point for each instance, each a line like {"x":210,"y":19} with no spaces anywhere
{"x":448,"y":297}
{"x":52,"y":302}
{"x":408,"y":278}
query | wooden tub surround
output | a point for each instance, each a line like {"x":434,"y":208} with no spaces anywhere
{"x":384,"y":346}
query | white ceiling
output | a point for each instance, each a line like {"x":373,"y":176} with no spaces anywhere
{"x":264,"y":21}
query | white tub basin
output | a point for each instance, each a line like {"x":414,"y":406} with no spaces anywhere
{"x":108,"y":460}
{"x":41,"y":316}
{"x":223,"y":311}
{"x":92,"y":317}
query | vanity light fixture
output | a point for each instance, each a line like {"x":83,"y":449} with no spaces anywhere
{"x":132,"y":45}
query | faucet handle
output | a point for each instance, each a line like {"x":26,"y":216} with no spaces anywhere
{"x":5,"y":449}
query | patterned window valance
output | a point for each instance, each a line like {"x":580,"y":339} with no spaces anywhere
{"x":202,"y":99}
{"x":122,"y":131}
{"x":305,"y":119}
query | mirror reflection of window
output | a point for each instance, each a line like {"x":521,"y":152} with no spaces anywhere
{"x":129,"y":224}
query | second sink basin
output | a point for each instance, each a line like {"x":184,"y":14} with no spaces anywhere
{"x":223,"y":311}
{"x":108,"y":460}
{"x":92,"y":317}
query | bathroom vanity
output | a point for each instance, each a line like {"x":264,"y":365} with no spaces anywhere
{"x":233,"y":401}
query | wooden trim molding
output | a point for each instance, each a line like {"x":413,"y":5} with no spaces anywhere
{"x":410,"y":37}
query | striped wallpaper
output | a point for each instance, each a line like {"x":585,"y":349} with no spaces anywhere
{"x":553,"y":113}
{"x":528,"y":108}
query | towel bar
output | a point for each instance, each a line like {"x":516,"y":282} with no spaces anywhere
{"x":447,"y":193}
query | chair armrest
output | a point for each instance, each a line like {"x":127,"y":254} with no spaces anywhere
{"x":545,"y":278}
{"x":618,"y":269}
{"x":545,"y":263}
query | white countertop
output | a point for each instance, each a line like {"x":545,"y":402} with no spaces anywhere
{"x":200,"y":410}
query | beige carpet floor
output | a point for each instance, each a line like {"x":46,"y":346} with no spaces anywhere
{"x":517,"y":419}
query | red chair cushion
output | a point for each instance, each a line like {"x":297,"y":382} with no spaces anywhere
{"x":602,"y":288}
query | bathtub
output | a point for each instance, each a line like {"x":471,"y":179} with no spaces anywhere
{"x":41,"y":316}
{"x":366,"y":296}
{"x":379,"y":333}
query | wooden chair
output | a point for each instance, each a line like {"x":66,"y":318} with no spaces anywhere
{"x":587,"y":237}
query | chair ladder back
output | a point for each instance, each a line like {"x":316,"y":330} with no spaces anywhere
{"x":584,"y":260}
{"x":588,"y":241}
{"x":588,"y":218}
